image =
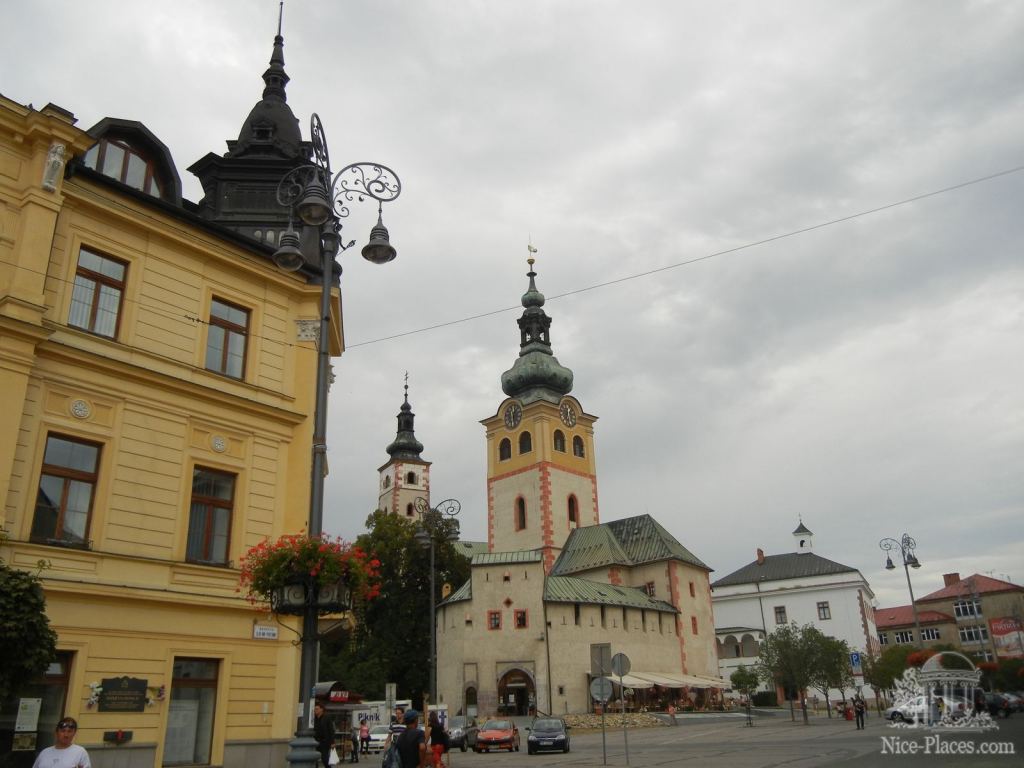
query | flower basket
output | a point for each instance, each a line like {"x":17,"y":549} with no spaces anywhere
{"x":298,"y":571}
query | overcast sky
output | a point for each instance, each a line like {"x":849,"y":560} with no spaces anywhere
{"x":867,"y":375}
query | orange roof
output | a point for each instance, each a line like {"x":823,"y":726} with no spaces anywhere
{"x":976,"y":584}
{"x":903,"y":616}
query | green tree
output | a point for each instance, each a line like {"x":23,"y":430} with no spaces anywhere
{"x":830,"y":667}
{"x":788,"y":656}
{"x":390,"y":639}
{"x":27,"y":643}
{"x":745,"y":681}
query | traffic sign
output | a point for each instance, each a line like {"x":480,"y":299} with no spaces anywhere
{"x":855,"y":663}
{"x":620,"y":664}
{"x":601,"y":689}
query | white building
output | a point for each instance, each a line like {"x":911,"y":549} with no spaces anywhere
{"x":802,"y":587}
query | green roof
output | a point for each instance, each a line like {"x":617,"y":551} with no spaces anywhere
{"x":571,"y":589}
{"x":629,"y":542}
{"x":470,"y":548}
{"x":504,"y":558}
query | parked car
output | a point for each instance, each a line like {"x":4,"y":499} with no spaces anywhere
{"x":378,"y":735}
{"x":497,"y":734}
{"x":547,"y":733}
{"x":997,"y":705}
{"x":1016,"y":700}
{"x":462,"y":732}
{"x":917,"y":709}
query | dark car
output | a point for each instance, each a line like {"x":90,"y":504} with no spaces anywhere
{"x":547,"y":733}
{"x":997,"y":705}
{"x":497,"y":734}
{"x":462,"y":732}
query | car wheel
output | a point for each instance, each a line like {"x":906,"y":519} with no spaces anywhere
{"x":517,"y":745}
{"x":897,"y":717}
{"x":565,"y":749}
{"x":462,"y":746}
{"x":530,"y":750}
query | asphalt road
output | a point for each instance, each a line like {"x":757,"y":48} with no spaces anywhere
{"x":774,"y":741}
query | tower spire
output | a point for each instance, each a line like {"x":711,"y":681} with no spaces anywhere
{"x":405,"y":445}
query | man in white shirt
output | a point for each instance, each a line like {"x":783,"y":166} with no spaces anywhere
{"x":65,"y":753}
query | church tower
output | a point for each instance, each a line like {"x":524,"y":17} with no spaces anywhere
{"x":804,"y":538}
{"x":541,"y":473}
{"x":406,"y":476}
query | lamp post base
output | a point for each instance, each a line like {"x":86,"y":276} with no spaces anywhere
{"x":302,"y":751}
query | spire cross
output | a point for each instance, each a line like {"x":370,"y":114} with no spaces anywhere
{"x":280,"y":16}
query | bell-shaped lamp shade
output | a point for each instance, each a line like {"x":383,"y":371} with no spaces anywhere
{"x":913,"y":562}
{"x":314,"y":208}
{"x":379,"y":250}
{"x":888,"y":564}
{"x":288,"y":257}
{"x":422,"y":537}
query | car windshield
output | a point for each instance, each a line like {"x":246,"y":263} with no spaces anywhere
{"x":497,"y":725}
{"x":380,"y":729}
{"x":547,"y":725}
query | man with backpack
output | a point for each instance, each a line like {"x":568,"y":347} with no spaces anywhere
{"x":409,"y":748}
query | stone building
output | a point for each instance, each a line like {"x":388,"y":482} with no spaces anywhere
{"x":558,"y":592}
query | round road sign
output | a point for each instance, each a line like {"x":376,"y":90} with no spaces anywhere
{"x":620,"y":664}
{"x":601,"y":689}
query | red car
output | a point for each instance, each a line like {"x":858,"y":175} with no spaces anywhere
{"x":497,"y":734}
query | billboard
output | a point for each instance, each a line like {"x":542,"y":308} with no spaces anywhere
{"x":1007,"y":637}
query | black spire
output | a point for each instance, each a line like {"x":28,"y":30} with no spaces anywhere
{"x":406,"y":446}
{"x":537,"y":374}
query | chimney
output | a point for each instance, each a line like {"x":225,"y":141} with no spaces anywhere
{"x":760,"y":556}
{"x":949,"y":579}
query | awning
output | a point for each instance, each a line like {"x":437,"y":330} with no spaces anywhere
{"x":674,"y":680}
{"x":631,"y":681}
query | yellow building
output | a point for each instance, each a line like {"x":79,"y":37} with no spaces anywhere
{"x":158,"y":374}
{"x":559,"y":593}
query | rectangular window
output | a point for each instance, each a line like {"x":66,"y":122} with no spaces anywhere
{"x":649,"y":589}
{"x":693,"y":590}
{"x":494,"y":619}
{"x":190,"y":712}
{"x":603,"y":618}
{"x":519,"y":619}
{"x":780,"y":614}
{"x":967,"y":608}
{"x":576,"y":614}
{"x":209,"y":522}
{"x":225,"y":342}
{"x":903,"y":636}
{"x":693,"y":624}
{"x":883,"y":639}
{"x":930,"y":634}
{"x":973,"y":633}
{"x":824,"y":612}
{"x":67,"y":485}
{"x":97,"y":294}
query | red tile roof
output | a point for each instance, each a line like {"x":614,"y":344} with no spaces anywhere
{"x":903,"y":616}
{"x":976,"y":584}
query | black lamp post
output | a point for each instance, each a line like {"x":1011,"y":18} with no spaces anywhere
{"x":905,"y":546}
{"x":437,"y":524}
{"x":320,"y":199}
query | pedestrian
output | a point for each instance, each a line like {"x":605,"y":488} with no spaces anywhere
{"x":353,"y":735}
{"x":437,"y":738}
{"x":672,"y":713}
{"x":64,"y":753}
{"x":411,"y":743}
{"x":364,"y":736}
{"x":323,"y":732}
{"x":859,"y":708}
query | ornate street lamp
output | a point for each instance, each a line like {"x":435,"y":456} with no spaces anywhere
{"x":435,"y":524}
{"x":905,"y":546}
{"x":320,"y":199}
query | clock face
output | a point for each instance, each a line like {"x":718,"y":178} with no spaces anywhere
{"x":568,"y":414}
{"x":513,"y":415}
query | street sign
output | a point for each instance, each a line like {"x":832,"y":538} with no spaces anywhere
{"x":855,"y":663}
{"x":601,"y":689}
{"x":620,"y":664}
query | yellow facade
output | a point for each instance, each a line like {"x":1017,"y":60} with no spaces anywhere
{"x":127,"y":601}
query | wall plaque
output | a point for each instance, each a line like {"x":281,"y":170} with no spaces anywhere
{"x":123,"y":694}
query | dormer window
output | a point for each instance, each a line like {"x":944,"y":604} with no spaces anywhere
{"x":122,"y":162}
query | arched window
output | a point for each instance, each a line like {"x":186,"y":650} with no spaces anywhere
{"x":520,"y":513}
{"x":410,"y":478}
{"x":559,"y":441}
{"x":525,"y":442}
{"x":119,"y":160}
{"x":505,"y":449}
{"x":574,"y":518}
{"x":409,"y":511}
{"x":577,"y":446}
{"x":387,"y":481}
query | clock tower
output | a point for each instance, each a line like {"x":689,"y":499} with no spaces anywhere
{"x":541,"y":474}
{"x":406,"y":476}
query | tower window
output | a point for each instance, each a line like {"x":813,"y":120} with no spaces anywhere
{"x":519,"y":619}
{"x":559,"y":441}
{"x":574,"y":518}
{"x":409,"y":510}
{"x":520,"y":513}
{"x":410,"y":478}
{"x":386,"y":482}
{"x":505,"y":449}
{"x":525,"y":442}
{"x":577,"y":446}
